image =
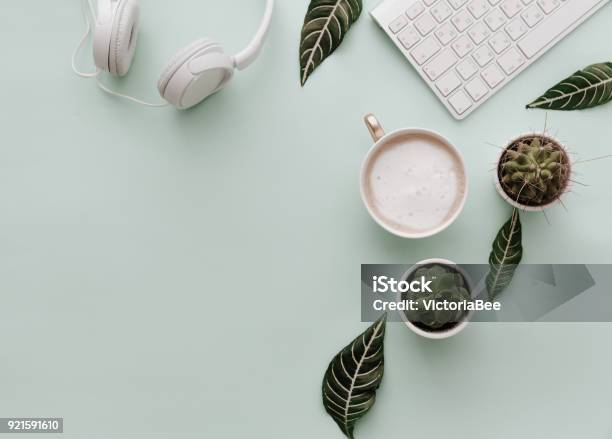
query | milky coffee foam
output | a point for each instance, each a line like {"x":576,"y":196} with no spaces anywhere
{"x":415,"y":183}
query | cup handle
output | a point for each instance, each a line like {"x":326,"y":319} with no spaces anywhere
{"x":374,"y":127}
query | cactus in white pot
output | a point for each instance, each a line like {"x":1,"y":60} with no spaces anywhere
{"x":533,"y":172}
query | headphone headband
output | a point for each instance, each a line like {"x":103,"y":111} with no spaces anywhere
{"x":250,"y":53}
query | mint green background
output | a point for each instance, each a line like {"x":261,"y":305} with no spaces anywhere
{"x":190,"y":275}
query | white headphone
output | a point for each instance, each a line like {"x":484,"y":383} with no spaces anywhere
{"x":193,"y":74}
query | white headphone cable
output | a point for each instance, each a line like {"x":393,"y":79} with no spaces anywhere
{"x":129,"y":98}
{"x":83,"y":41}
{"x":98,"y":72}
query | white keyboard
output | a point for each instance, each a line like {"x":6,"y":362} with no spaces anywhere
{"x":466,"y":50}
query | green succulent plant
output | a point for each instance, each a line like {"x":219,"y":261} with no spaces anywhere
{"x":534,"y":171}
{"x":446,"y":284}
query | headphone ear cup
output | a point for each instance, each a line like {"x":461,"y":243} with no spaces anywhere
{"x":102,"y":34}
{"x":178,"y":60}
{"x":194,"y":73}
{"x":124,"y":36}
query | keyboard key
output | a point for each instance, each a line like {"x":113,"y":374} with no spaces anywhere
{"x":398,"y":24}
{"x":476,"y":89}
{"x":492,"y":75}
{"x":409,"y":37}
{"x":478,"y":8}
{"x":446,"y":33}
{"x":483,"y":56}
{"x":549,"y":5}
{"x":467,"y":68}
{"x":425,"y":24}
{"x":462,"y":46}
{"x":511,"y":7}
{"x":457,"y":3}
{"x":557,"y":23}
{"x":441,"y":11}
{"x":533,"y":15}
{"x":479,"y":32}
{"x":415,"y":10}
{"x":516,"y":29}
{"x":448,"y":83}
{"x":425,"y":50}
{"x":462,"y":20}
{"x":460,"y":102}
{"x":500,"y":42}
{"x":511,"y":61}
{"x":495,"y":20}
{"x":440,"y":64}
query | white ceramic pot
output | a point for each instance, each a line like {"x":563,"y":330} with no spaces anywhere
{"x":439,"y":335}
{"x":503,"y":193}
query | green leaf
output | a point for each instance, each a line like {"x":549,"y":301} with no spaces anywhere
{"x":325,"y":25}
{"x":584,"y":89}
{"x":353,"y":376}
{"x":506,"y":255}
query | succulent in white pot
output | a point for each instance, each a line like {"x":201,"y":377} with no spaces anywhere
{"x":449,"y":283}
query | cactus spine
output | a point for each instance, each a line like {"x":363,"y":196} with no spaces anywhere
{"x":534,"y":171}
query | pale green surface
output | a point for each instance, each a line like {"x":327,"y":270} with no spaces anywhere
{"x":190,"y":275}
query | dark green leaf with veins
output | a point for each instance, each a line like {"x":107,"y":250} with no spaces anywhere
{"x":353,"y":376}
{"x":584,"y":89}
{"x":506,"y":255}
{"x":325,"y":25}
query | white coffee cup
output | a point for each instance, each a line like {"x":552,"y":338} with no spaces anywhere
{"x":412,"y":212}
